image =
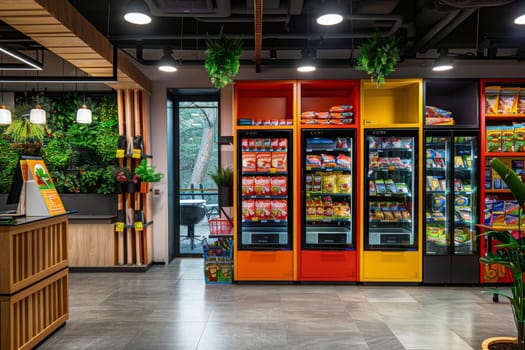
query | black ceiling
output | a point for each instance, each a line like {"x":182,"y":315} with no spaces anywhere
{"x":477,"y":28}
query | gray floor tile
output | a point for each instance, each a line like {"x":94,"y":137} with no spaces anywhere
{"x":171,"y":307}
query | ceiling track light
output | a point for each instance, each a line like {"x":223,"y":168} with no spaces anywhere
{"x":330,"y":13}
{"x":443,"y":62}
{"x":137,"y":12}
{"x":307,"y":62}
{"x":167,"y":63}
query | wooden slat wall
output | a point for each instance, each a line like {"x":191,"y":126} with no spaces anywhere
{"x":58,"y":26}
{"x":133,"y":247}
{"x":32,"y":314}
{"x":34,"y":251}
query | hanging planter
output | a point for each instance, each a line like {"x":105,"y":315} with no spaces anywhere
{"x":222,"y":59}
{"x":378,"y":57}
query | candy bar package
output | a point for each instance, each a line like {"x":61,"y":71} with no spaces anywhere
{"x":508,"y":99}
{"x":520,"y":108}
{"x":491,"y":99}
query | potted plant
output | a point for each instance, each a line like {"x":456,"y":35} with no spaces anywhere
{"x":222,"y":59}
{"x":510,"y":253}
{"x":145,"y":174}
{"x":223,"y":177}
{"x":378,"y":57}
{"x":26,"y":135}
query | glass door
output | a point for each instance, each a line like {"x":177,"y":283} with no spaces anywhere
{"x":390,"y":165}
{"x":465,"y":194}
{"x":437,"y":194}
{"x":327,"y":188}
{"x":265,"y":199}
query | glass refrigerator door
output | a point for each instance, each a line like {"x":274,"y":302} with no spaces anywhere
{"x":391,"y":169}
{"x":465,"y":194}
{"x":436,"y":201}
{"x":327,"y":189}
{"x":265,"y":197}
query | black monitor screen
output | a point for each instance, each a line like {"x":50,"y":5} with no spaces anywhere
{"x":17,"y":182}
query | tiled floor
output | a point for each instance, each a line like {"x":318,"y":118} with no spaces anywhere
{"x":170,"y":307}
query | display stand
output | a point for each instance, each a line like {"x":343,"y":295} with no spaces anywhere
{"x":218,"y":252}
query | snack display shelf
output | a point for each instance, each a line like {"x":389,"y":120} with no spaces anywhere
{"x":263,"y":197}
{"x":498,"y":191}
{"x":321,"y":194}
{"x":504,"y":154}
{"x":331,"y":126}
{"x":492,"y":116}
{"x":328,"y":221}
{"x":264,"y":127}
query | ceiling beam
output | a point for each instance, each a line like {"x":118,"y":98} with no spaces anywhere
{"x":60,"y":28}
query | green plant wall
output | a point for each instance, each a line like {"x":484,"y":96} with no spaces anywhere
{"x":81,"y":158}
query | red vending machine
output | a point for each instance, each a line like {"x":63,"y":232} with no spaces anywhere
{"x":328,"y":181}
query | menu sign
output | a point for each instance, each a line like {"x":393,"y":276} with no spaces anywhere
{"x":42,"y":198}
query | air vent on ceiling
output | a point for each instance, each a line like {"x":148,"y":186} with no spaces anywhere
{"x":184,"y":6}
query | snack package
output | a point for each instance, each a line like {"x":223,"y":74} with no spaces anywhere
{"x":371,"y":188}
{"x":279,"y":208}
{"x":343,"y":161}
{"x":323,"y":115}
{"x":328,"y":160}
{"x":458,"y":162}
{"x":519,"y":137}
{"x":249,"y":162}
{"x":329,"y":183}
{"x":380,"y":186}
{"x":507,"y":138}
{"x":318,"y":182}
{"x":402,"y":187}
{"x":279,"y":186}
{"x":263,"y":209}
{"x":458,"y":185}
{"x":493,"y":138}
{"x":247,"y":183}
{"x":390,"y":186}
{"x":264,"y":162}
{"x":344,"y":183}
{"x":308,"y":115}
{"x":310,"y":210}
{"x":262,"y":186}
{"x":341,"y":115}
{"x":341,"y":142}
{"x":308,"y":182}
{"x":313,"y":161}
{"x":520,"y":108}
{"x":279,"y":161}
{"x":340,"y":109}
{"x":491,"y":99}
{"x":248,"y":209}
{"x":283,"y":144}
{"x":374,"y":142}
{"x":508,"y":99}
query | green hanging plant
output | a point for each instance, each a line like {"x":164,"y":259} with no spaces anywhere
{"x":222,"y":59}
{"x":378,"y":57}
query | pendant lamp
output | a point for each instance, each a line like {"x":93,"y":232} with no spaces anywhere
{"x":5,"y":115}
{"x":84,"y":115}
{"x":37,"y":115}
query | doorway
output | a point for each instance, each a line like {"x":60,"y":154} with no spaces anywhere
{"x":196,"y":123}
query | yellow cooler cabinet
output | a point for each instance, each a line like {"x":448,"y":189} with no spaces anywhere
{"x":392,"y":144}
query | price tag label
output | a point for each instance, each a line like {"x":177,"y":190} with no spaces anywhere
{"x":136,"y":153}
{"x":119,"y":153}
{"x":138,"y":226}
{"x":119,"y":227}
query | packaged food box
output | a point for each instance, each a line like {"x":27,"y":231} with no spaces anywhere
{"x":279,"y":186}
{"x":262,"y":186}
{"x":249,"y":162}
{"x":280,"y":161}
{"x":248,"y":209}
{"x":264,"y":162}
{"x":279,"y":208}
{"x":247,"y":183}
{"x":263,"y":209}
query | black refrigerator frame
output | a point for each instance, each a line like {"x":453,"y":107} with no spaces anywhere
{"x":334,"y":240}
{"x":391,"y":246}
{"x":266,"y":232}
{"x":452,"y":268}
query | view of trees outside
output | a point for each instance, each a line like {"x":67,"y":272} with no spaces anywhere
{"x":198,"y":133}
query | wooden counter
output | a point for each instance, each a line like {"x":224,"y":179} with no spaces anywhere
{"x":33,"y":280}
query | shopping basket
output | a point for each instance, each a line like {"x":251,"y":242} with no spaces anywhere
{"x":220,"y":226}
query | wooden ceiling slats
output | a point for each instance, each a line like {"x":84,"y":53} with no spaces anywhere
{"x":58,"y":26}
